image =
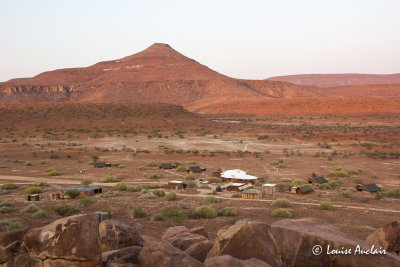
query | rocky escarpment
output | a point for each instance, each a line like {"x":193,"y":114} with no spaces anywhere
{"x":82,"y":240}
{"x":34,"y":93}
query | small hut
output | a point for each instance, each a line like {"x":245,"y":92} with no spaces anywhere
{"x":251,"y":194}
{"x":102,"y":164}
{"x":269,"y":189}
{"x":373,"y":188}
{"x":318,"y":180}
{"x":84,"y":190}
{"x":195,"y":169}
{"x":176,"y":184}
{"x":301,"y":190}
{"x":33,"y":197}
{"x":234,"y":187}
{"x":167,"y":166}
{"x":54,"y":196}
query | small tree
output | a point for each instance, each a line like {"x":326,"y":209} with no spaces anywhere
{"x":73,"y":193}
{"x":86,"y":182}
{"x":137,"y":212}
{"x":170,"y":196}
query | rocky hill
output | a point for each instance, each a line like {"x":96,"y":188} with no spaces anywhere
{"x":88,"y":240}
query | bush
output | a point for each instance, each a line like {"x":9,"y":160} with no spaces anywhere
{"x":299,"y":182}
{"x":205,"y":212}
{"x":346,"y":193}
{"x":30,"y":209}
{"x":28,"y":163}
{"x":5,"y":203}
{"x":281,"y":213}
{"x":158,"y":217}
{"x":190,"y":177}
{"x":158,"y":192}
{"x":87,"y":201}
{"x":191,"y":184}
{"x":39,"y":214}
{"x":213,"y":180}
{"x":42,"y":162}
{"x":174,"y":214}
{"x":211,"y":199}
{"x":4,"y":210}
{"x":137,"y":212}
{"x":33,"y":190}
{"x":154,"y":176}
{"x":40,"y":184}
{"x":53,"y":173}
{"x":65,"y":210}
{"x":181,"y":169}
{"x":226,"y":212}
{"x":86,"y":182}
{"x":393,"y":193}
{"x":281,"y":203}
{"x":110,"y":179}
{"x":151,"y":164}
{"x":325,"y":206}
{"x":120,"y":187}
{"x":141,"y":168}
{"x":170,"y":196}
{"x":6,"y":226}
{"x":73,"y":193}
{"x":8,"y":186}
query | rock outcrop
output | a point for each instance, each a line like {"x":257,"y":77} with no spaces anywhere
{"x":292,"y":242}
{"x":387,"y":237}
{"x":200,"y":250}
{"x":229,"y":261}
{"x":180,"y":237}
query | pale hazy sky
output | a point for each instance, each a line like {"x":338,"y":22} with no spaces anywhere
{"x":242,"y":39}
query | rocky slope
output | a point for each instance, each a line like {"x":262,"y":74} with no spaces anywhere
{"x":87,"y":240}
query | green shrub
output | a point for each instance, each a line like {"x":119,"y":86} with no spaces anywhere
{"x":110,"y":179}
{"x":33,"y":190}
{"x":120,"y":187}
{"x":137,"y":212}
{"x":154,"y":176}
{"x":151,"y":164}
{"x":226,"y":212}
{"x":211,"y":199}
{"x":86,"y":182}
{"x":170,"y":196}
{"x":121,"y":166}
{"x":4,"y":210}
{"x":73,"y":193}
{"x":91,"y":162}
{"x":8,"y":186}
{"x":281,"y":213}
{"x":42,"y":162}
{"x":39,"y":214}
{"x":158,"y":217}
{"x":205,"y":212}
{"x":346,"y":193}
{"x":30,"y":209}
{"x":87,"y":201}
{"x":190,"y":177}
{"x":213,"y":180}
{"x":191,"y":184}
{"x":281,"y":203}
{"x":5,"y":203}
{"x":141,"y":168}
{"x":65,"y":210}
{"x":159,"y":192}
{"x":393,"y":193}
{"x":53,"y":173}
{"x":40,"y":184}
{"x":341,"y":173}
{"x":95,"y":157}
{"x":174,"y":214}
{"x":28,"y":163}
{"x":181,"y":169}
{"x":325,"y":206}
{"x":6,"y":226}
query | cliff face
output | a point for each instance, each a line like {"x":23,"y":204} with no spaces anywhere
{"x":34,"y":93}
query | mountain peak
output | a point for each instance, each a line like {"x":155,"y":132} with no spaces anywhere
{"x":159,"y":48}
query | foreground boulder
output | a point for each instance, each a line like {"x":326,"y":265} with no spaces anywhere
{"x":387,"y":237}
{"x":121,"y":256}
{"x":200,"y":250}
{"x":229,"y":261}
{"x":291,"y":242}
{"x":162,"y":254}
{"x":180,"y":237}
{"x":71,"y":241}
{"x":116,"y":235}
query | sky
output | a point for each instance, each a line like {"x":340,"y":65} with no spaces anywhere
{"x":250,"y":39}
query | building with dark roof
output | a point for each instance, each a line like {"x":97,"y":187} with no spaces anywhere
{"x":194,"y":169}
{"x":372,"y":188}
{"x":319,"y":180}
{"x":167,"y":166}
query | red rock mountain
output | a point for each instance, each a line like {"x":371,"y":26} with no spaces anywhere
{"x":333,"y":80}
{"x":161,"y":74}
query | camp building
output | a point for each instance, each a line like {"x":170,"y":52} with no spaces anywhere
{"x":238,"y":176}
